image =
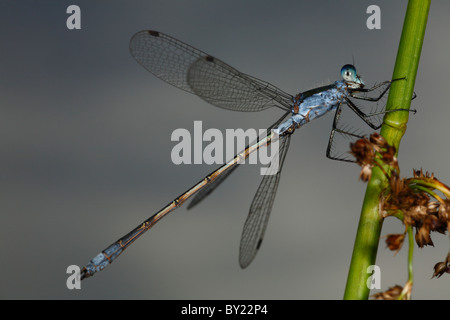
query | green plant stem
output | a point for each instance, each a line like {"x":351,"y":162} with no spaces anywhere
{"x":427,"y":190}
{"x":410,"y":254}
{"x":407,"y":288}
{"x":394,"y":127}
{"x":433,"y":184}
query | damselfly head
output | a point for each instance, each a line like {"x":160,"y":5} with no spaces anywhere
{"x":348,"y":73}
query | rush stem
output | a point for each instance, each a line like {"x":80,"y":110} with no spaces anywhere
{"x":393,"y":129}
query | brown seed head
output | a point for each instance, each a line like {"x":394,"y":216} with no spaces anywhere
{"x":391,"y":294}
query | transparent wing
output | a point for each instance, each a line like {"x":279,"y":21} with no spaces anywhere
{"x":258,"y":217}
{"x":209,"y":78}
{"x":202,"y":194}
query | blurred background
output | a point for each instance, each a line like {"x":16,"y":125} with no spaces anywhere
{"x":85,"y":149}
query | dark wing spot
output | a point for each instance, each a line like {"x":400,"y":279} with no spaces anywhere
{"x":209,"y":58}
{"x":153,"y":33}
{"x":259,"y":244}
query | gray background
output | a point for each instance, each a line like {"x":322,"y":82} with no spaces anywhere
{"x":85,"y":149}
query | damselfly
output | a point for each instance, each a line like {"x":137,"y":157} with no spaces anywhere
{"x":223,"y":86}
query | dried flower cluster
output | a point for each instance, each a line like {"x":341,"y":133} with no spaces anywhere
{"x":393,"y":293}
{"x":442,"y":267}
{"x":368,"y":153}
{"x":413,"y":200}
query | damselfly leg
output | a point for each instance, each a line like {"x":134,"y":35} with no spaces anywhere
{"x":372,"y":119}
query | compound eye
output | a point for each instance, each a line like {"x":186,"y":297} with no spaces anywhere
{"x":348,"y":72}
